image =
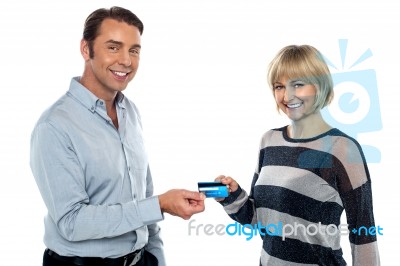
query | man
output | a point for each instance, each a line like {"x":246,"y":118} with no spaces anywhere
{"x":89,"y":161}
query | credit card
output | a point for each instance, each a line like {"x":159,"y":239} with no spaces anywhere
{"x":213,"y":189}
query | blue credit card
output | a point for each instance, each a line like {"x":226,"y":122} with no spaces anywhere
{"x":213,"y":189}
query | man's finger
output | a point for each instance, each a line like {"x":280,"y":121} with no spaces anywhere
{"x":193,"y":195}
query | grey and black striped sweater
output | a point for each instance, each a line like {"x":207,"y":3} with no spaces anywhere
{"x":306,"y":184}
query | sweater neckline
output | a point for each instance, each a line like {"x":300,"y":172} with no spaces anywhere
{"x":289,"y":139}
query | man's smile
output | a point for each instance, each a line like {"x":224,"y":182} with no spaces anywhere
{"x":119,"y":73}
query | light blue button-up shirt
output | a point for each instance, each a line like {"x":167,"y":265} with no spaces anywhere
{"x":94,"y":178}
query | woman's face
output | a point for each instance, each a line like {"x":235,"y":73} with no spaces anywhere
{"x":295,"y":98}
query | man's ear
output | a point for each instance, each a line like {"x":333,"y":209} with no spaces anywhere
{"x":85,"y":51}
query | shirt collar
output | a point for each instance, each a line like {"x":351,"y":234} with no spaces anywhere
{"x":87,"y":98}
{"x":120,"y":99}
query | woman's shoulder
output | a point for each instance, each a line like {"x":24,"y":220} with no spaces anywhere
{"x":272,"y":131}
{"x":272,"y":136}
{"x":344,"y":139}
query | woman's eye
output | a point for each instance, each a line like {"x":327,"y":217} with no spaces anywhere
{"x":278,"y":87}
{"x":298,"y":85}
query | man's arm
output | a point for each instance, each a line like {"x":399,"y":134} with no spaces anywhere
{"x":155,"y":244}
{"x":61,"y":181}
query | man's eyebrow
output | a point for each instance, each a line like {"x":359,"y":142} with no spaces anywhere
{"x":136,"y":46}
{"x":114,"y":42}
{"x":121,"y":43}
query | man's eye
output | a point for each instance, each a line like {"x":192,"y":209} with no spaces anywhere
{"x":113,"y":48}
{"x":135,"y":51}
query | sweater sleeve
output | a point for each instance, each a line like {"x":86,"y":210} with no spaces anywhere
{"x":356,"y":193}
{"x":239,"y":205}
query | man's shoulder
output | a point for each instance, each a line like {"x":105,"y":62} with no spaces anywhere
{"x":128,"y":102}
{"x":59,"y":111}
{"x":131,"y":107}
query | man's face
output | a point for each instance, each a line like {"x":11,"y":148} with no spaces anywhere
{"x":116,"y":58}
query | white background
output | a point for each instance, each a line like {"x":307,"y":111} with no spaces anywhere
{"x":204,"y":99}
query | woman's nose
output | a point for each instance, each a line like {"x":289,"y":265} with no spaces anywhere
{"x":289,"y":94}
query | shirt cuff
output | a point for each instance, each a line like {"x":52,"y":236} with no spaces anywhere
{"x":150,"y":210}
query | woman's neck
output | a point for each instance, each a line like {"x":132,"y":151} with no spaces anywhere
{"x":313,"y":126}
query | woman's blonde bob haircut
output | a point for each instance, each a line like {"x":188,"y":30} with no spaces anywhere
{"x":306,"y":63}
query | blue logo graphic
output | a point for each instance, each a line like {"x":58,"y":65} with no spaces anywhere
{"x":280,"y":229}
{"x":366,"y":231}
{"x":355,"y":107}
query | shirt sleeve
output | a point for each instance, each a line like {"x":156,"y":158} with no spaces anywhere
{"x":61,"y":181}
{"x":155,"y":244}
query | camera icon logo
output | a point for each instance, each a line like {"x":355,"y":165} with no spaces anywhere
{"x":355,"y":107}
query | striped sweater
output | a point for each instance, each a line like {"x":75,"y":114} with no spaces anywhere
{"x":299,"y":191}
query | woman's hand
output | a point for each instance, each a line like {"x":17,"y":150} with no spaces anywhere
{"x":229,"y":182}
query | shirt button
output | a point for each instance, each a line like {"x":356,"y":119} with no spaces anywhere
{"x":101,"y":103}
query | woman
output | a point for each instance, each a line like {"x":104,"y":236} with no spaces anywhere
{"x":307,"y":174}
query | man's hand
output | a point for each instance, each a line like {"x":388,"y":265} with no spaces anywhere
{"x":182,"y":202}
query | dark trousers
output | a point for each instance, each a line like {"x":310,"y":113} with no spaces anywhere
{"x":147,"y":259}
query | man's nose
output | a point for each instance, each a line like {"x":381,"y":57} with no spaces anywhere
{"x":125,"y":59}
